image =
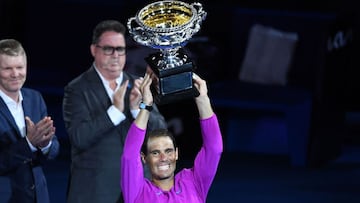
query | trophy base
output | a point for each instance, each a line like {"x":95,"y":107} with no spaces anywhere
{"x":172,"y":84}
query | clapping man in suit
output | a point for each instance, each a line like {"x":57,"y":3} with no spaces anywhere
{"x":27,"y":133}
{"x":98,"y":107}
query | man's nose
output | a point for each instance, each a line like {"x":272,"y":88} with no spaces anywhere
{"x":14,"y":73}
{"x":163,"y":156}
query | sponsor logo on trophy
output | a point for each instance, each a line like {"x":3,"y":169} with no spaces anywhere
{"x":167,"y":26}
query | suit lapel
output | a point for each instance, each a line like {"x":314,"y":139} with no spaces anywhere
{"x":97,"y":87}
{"x":26,"y":105}
{"x":5,"y":112}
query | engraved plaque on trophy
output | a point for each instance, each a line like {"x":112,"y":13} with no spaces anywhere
{"x":167,"y":26}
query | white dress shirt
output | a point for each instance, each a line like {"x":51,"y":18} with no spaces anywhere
{"x":116,"y":116}
{"x":17,"y":111}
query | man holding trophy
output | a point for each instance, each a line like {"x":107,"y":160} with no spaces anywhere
{"x":160,"y":153}
{"x":167,"y":25}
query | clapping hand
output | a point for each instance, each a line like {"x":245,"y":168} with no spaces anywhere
{"x":40,"y":134}
{"x":147,"y":97}
{"x":119,"y":95}
{"x":135,"y":94}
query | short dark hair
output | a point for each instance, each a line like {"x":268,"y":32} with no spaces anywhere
{"x":11,"y":47}
{"x":107,"y":25}
{"x":157,"y":133}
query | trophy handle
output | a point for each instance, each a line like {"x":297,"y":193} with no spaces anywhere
{"x":201,"y":15}
{"x":199,"y":10}
{"x":137,"y":31}
{"x":130,"y":23}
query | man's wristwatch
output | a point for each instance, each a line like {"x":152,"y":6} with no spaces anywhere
{"x":144,"y":106}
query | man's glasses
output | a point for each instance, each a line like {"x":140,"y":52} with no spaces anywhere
{"x":108,"y":50}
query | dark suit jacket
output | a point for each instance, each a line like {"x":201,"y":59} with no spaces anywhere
{"x":23,"y":167}
{"x":96,"y":144}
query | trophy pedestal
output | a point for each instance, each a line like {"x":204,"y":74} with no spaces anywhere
{"x":171,"y":84}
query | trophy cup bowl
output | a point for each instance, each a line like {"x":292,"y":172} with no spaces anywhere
{"x":167,"y":26}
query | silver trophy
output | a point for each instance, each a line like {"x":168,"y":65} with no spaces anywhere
{"x":167,"y":26}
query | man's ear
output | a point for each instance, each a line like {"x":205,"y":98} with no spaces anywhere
{"x":143,"y":156}
{"x":92,"y":49}
{"x":176,"y":153}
